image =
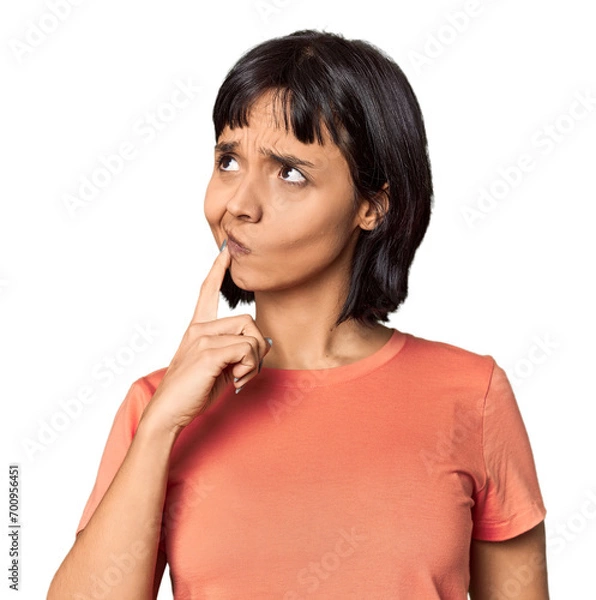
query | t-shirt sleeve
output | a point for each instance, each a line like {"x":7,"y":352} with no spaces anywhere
{"x":119,"y":439}
{"x":509,"y":502}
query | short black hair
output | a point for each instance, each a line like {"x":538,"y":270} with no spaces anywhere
{"x":367,"y":105}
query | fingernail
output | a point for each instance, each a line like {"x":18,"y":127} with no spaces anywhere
{"x":238,"y":389}
{"x":223,"y":244}
{"x":269,"y":341}
{"x":236,"y":379}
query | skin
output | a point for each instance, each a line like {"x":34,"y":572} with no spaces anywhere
{"x":301,"y":239}
{"x":301,"y":228}
{"x":514,"y":568}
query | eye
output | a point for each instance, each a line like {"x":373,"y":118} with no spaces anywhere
{"x":292,"y":175}
{"x":227,"y":163}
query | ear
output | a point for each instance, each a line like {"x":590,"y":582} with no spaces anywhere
{"x":371,"y":212}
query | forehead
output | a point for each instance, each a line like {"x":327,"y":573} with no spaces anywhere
{"x":266,"y":126}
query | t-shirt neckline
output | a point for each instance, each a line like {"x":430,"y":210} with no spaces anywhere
{"x":342,"y":373}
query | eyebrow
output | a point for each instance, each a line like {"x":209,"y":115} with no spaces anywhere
{"x":284,"y":159}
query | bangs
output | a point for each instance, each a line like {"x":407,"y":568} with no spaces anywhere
{"x":301,"y":93}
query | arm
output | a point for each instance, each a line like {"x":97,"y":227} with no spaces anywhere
{"x":514,"y":568}
{"x":117,"y":552}
{"x":160,"y":567}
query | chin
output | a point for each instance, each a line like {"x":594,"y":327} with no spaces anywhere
{"x":240,"y":282}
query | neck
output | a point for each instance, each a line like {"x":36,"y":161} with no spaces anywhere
{"x":302,"y":327}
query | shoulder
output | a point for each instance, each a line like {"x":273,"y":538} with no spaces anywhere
{"x":140,"y":393}
{"x":150,"y":381}
{"x":438,"y":359}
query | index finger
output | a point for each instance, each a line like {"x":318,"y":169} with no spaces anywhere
{"x":206,"y":308}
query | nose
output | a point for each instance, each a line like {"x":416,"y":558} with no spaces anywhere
{"x":245,"y":197}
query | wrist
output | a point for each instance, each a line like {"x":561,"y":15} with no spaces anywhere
{"x":154,"y":426}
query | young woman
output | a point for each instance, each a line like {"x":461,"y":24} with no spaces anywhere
{"x":357,"y":461}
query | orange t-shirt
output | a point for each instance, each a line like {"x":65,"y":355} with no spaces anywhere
{"x":362,"y":481}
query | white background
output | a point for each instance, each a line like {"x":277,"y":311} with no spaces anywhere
{"x":73,"y":286}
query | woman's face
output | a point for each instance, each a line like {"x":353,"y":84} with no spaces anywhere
{"x":290,"y":204}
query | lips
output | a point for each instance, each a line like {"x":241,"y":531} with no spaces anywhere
{"x":239,"y":245}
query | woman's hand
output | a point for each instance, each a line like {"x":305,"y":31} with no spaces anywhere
{"x":212,"y":353}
